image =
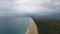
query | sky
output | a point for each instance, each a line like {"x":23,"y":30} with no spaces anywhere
{"x":39,"y":7}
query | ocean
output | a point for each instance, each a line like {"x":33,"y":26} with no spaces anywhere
{"x":14,"y":25}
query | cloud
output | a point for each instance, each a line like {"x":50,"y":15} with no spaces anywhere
{"x":5,"y":6}
{"x":53,"y":4}
{"x":29,"y":6}
{"x":35,"y":6}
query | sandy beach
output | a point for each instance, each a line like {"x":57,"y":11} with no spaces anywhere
{"x":33,"y":29}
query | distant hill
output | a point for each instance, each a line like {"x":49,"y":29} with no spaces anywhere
{"x":44,"y":16}
{"x":54,"y":16}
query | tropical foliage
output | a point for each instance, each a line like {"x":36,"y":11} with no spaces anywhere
{"x":48,"y":26}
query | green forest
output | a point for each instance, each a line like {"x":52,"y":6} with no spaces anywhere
{"x":48,"y":26}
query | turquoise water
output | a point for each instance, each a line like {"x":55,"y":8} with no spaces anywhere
{"x":14,"y":25}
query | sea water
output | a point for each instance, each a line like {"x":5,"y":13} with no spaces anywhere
{"x":14,"y":25}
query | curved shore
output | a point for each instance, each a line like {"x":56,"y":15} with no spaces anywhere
{"x":34,"y":27}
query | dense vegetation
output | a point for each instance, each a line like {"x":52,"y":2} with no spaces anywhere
{"x":48,"y":26}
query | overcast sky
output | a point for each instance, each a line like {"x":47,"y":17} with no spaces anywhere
{"x":29,"y":6}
